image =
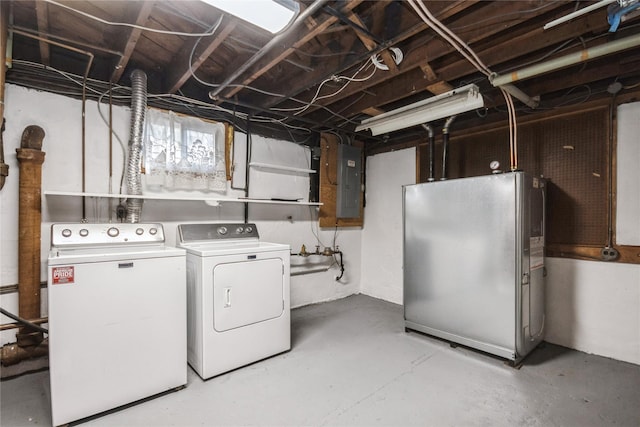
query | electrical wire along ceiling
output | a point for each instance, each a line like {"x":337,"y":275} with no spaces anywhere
{"x":330,"y":66}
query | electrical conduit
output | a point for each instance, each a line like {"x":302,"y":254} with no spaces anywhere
{"x":432,"y":142}
{"x":445,"y":145}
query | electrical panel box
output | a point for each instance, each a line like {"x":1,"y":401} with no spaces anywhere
{"x":349,"y":169}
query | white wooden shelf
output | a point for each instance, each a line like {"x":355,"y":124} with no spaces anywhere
{"x":208,"y":200}
{"x":280,"y":168}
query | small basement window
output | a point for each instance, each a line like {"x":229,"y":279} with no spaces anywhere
{"x":183,"y":153}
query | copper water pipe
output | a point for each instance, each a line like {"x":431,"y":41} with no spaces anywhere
{"x":30,"y":157}
{"x":16,"y":325}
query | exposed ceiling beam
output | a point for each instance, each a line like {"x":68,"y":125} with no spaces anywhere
{"x":436,"y":85}
{"x":439,"y":87}
{"x":508,"y":45}
{"x":299,"y":39}
{"x":179,"y":73}
{"x":416,"y":57}
{"x":442,"y":10}
{"x":300,"y":61}
{"x":373,"y":111}
{"x":505,"y":34}
{"x":131,"y":39}
{"x":371,"y":44}
{"x":42,"y":16}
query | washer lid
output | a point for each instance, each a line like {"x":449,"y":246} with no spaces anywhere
{"x":59,"y":256}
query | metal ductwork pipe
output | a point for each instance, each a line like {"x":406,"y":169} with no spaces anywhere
{"x":566,"y":60}
{"x":445,"y":145}
{"x":138,"y":110}
{"x":432,"y":142}
{"x":30,"y":157}
{"x":277,"y":40}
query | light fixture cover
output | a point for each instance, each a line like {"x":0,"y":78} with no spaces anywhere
{"x":272,"y":15}
{"x":457,"y":101}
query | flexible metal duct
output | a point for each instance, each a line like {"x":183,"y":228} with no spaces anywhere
{"x":138,"y":109}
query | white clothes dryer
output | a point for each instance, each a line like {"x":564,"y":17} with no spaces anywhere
{"x":238,"y":306}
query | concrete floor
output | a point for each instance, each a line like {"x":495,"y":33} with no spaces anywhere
{"x":353,"y":364}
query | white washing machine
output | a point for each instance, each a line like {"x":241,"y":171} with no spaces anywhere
{"x":238,"y":309}
{"x":117,"y":317}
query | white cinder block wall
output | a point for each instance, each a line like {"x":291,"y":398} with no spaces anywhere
{"x":591,"y":306}
{"x":382,"y":231}
{"x":60,"y":117}
{"x":594,"y":307}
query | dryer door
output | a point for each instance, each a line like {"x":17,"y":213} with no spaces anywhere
{"x":247,"y":292}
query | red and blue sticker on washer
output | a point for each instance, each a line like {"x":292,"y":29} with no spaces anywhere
{"x":62,"y":275}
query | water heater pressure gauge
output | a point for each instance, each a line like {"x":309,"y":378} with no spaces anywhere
{"x":495,"y":166}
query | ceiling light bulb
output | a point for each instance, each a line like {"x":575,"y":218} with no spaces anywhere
{"x":271,"y":15}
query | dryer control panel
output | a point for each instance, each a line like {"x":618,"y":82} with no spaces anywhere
{"x":216,"y":231}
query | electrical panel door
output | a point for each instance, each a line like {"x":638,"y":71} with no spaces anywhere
{"x":349,"y":167}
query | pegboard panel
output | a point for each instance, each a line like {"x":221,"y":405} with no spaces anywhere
{"x":571,"y":151}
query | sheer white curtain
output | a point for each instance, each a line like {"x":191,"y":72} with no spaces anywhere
{"x":184,"y":153}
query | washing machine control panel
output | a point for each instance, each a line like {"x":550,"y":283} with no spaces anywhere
{"x":69,"y":235}
{"x":216,"y":231}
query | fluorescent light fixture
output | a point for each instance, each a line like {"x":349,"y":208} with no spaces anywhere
{"x":272,"y":15}
{"x":457,"y":101}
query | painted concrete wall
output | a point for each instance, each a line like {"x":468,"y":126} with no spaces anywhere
{"x":594,"y":307}
{"x":382,"y":231}
{"x":60,"y":117}
{"x":628,"y":175}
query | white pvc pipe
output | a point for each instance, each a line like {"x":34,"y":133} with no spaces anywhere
{"x":567,"y":60}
